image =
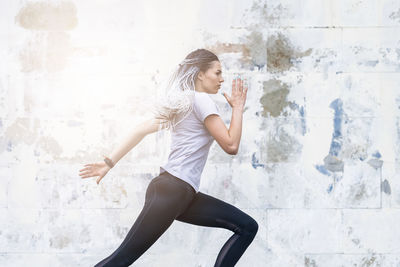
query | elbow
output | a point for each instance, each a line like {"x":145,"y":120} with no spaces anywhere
{"x":232,"y":150}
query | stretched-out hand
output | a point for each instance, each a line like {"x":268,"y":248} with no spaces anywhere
{"x":239,"y":93}
{"x":99,"y":169}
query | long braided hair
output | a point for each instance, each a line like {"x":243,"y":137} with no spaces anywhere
{"x":177,"y":100}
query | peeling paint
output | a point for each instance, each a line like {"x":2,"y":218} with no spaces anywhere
{"x":46,"y":51}
{"x":281,"y":147}
{"x":371,"y":63}
{"x":369,"y":261}
{"x":331,"y":161}
{"x":377,"y":155}
{"x":221,"y":48}
{"x":48,"y":16}
{"x":333,"y":164}
{"x":253,"y":51}
{"x":330,"y":188}
{"x":277,"y":52}
{"x":60,"y":241}
{"x":336,"y":144}
{"x":281,"y":54}
{"x":295,"y":106}
{"x":274,"y":100}
{"x":309,"y":262}
{"x":265,"y":14}
{"x":50,"y":146}
{"x":375,"y":163}
{"x":257,"y":49}
{"x":254,"y":161}
{"x":360,"y":190}
{"x":22,"y":130}
{"x":395,"y":15}
{"x":26,"y":130}
{"x":49,"y":47}
{"x":385,"y":187}
{"x":322,"y":169}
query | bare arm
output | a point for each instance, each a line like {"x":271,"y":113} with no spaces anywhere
{"x":137,"y":134}
{"x":229,"y":139}
{"x":100,"y":169}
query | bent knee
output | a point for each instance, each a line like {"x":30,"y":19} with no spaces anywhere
{"x":251,"y":226}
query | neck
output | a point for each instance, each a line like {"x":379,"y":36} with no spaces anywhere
{"x":198,"y":87}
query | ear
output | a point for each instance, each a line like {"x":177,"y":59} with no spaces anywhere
{"x":200,"y":76}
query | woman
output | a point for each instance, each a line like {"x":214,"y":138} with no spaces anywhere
{"x":174,"y":194}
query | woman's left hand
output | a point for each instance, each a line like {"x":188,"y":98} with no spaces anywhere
{"x":94,"y":169}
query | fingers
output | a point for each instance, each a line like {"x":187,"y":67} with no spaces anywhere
{"x":84,"y":169}
{"x":240,"y":87}
{"x":234,"y":86}
{"x":237,"y":85}
{"x":245,"y":86}
{"x":87,"y":171}
{"x":91,"y":170}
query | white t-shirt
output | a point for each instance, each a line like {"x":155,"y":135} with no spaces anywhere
{"x":190,"y":142}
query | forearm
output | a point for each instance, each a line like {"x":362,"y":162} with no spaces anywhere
{"x":127,"y":144}
{"x":235,"y":127}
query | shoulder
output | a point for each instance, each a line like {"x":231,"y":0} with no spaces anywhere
{"x":204,"y":105}
{"x":203,"y":98}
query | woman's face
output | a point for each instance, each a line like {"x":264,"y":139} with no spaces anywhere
{"x":211,"y":80}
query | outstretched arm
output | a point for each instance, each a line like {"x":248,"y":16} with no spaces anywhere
{"x":100,"y":169}
{"x":137,"y":134}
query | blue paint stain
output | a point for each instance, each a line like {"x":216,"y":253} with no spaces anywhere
{"x":377,"y":155}
{"x":254,"y":161}
{"x":330,"y":188}
{"x":336,"y":144}
{"x":322,"y":169}
{"x":335,"y":148}
{"x":303,"y":121}
{"x":302,"y":114}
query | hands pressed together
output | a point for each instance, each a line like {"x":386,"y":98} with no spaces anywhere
{"x":239,"y":93}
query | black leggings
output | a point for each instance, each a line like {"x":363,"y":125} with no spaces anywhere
{"x":169,"y":198}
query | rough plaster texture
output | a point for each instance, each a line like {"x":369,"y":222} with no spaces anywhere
{"x":318,"y":165}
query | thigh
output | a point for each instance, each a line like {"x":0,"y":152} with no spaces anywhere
{"x":206,"y":210}
{"x":165,"y":200}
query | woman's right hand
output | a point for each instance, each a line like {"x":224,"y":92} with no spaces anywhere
{"x":94,"y":169}
{"x":239,"y":94}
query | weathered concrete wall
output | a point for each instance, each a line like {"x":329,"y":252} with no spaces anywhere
{"x":318,"y":165}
